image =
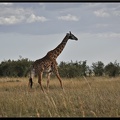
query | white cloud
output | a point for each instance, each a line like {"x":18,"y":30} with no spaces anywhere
{"x":116,"y":13}
{"x":68,"y":17}
{"x":34,"y":18}
{"x":114,"y":35}
{"x":109,"y":35}
{"x":101,"y":13}
{"x":10,"y":20}
{"x":6,"y":3}
{"x":10,"y":15}
{"x":7,"y":11}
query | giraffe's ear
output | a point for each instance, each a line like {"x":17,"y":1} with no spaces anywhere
{"x":70,"y":32}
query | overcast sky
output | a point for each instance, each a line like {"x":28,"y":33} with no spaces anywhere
{"x":32,"y":29}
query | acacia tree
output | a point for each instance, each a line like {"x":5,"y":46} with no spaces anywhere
{"x":73,"y":69}
{"x":112,"y":69}
{"x":98,"y":68}
{"x":68,"y":70}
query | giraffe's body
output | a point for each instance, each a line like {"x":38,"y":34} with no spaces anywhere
{"x":48,"y":63}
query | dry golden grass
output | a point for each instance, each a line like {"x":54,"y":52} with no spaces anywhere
{"x":83,"y":97}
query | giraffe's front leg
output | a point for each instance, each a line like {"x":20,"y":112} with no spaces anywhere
{"x":40,"y":79}
{"x":48,"y":80}
{"x":58,"y":76}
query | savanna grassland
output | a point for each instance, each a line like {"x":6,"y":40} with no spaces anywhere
{"x":83,"y":97}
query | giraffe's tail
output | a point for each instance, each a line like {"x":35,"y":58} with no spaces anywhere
{"x":30,"y":82}
{"x":31,"y":77}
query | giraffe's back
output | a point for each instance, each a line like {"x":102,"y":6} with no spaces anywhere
{"x":44,"y":65}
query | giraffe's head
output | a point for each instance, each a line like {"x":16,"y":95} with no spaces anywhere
{"x":71,"y":36}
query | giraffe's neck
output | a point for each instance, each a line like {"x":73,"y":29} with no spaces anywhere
{"x":53,"y":54}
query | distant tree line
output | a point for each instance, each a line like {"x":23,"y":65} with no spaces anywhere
{"x":21,"y":68}
{"x":78,"y":69}
{"x":11,"y":68}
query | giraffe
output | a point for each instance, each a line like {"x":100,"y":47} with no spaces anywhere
{"x":48,"y":63}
